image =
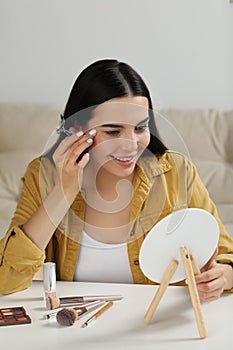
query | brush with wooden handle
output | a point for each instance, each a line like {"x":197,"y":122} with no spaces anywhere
{"x":53,"y":302}
{"x":97,"y":314}
{"x":68,"y":316}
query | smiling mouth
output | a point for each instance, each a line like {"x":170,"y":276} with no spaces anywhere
{"x":124,"y":159}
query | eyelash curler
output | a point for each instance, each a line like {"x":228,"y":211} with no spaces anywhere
{"x":61,"y":128}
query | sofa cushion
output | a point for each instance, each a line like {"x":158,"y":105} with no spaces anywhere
{"x":13,"y":166}
{"x":206,"y":136}
{"x":26,"y":130}
{"x":26,"y":126}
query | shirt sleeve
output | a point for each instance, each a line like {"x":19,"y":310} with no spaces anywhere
{"x":199,"y":198}
{"x":20,"y":258}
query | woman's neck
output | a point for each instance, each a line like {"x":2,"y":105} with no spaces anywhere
{"x":107,"y":192}
{"x":110,"y":185}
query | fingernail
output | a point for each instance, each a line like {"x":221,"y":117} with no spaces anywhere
{"x":79,"y":133}
{"x":89,"y":140}
{"x":85,"y":159}
{"x":92,"y":132}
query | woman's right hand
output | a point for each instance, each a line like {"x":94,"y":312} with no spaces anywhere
{"x":70,"y":172}
{"x":42,"y":224}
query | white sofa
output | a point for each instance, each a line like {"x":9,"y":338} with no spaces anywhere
{"x":204,"y":135}
{"x":24,"y":132}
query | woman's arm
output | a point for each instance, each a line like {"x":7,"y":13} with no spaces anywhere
{"x":217,"y":275}
{"x":213,"y":280}
{"x":42,"y":224}
{"x":40,"y":227}
{"x":35,"y":220}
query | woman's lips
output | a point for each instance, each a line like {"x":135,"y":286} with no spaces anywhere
{"x":125,"y":161}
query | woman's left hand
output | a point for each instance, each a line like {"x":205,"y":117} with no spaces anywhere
{"x":213,"y":280}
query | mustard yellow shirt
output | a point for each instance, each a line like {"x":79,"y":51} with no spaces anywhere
{"x":160,"y":187}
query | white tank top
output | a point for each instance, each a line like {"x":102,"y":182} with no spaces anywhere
{"x":101,"y":262}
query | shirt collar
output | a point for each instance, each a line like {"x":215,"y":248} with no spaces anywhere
{"x":151,"y":166}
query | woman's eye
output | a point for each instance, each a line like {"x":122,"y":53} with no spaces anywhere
{"x":113,"y":132}
{"x":141,"y":128}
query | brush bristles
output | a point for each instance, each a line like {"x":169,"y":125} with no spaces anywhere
{"x":66,"y":317}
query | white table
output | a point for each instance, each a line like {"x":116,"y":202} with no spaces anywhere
{"x":121,"y":327}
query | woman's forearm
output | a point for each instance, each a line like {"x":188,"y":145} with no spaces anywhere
{"x":213,"y":280}
{"x":41,"y":226}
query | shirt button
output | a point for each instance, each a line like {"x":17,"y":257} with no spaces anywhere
{"x":131,"y":233}
{"x":136,"y":262}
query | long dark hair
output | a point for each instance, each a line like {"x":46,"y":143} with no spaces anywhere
{"x":101,"y":81}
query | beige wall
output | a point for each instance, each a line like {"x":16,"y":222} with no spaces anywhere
{"x":183,"y":48}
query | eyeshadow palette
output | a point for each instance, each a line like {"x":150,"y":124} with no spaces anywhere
{"x":14,"y":315}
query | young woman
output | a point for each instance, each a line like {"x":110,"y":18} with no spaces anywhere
{"x":89,"y":202}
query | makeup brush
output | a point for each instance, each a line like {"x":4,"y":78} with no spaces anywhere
{"x":83,"y":308}
{"x":68,"y":316}
{"x":97,"y":314}
{"x":53,"y":302}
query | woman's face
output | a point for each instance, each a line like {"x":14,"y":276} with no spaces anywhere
{"x":122,"y":134}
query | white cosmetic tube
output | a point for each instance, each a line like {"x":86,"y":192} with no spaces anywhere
{"x":49,"y":273}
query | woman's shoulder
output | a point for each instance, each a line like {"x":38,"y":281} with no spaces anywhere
{"x":172,"y":156}
{"x":36,"y":165}
{"x":38,"y":161}
{"x":176,"y":161}
{"x":170,"y":161}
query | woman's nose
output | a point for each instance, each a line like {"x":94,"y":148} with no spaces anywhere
{"x":130,"y":141}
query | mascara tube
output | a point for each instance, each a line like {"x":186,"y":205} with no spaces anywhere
{"x":49,"y":273}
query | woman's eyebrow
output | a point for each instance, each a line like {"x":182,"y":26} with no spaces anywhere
{"x":144,"y":121}
{"x":111,"y":126}
{"x":121,"y":126}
